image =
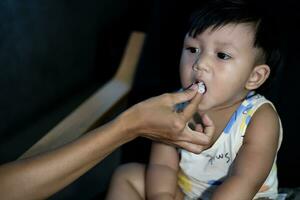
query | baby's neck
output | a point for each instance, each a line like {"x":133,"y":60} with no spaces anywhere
{"x":221,"y":117}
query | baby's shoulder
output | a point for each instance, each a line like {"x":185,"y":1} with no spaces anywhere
{"x":266,"y":113}
{"x":265,"y":124}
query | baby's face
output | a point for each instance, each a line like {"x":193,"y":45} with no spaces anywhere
{"x":223,"y":59}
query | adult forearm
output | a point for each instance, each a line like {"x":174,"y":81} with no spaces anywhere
{"x":41,"y":176}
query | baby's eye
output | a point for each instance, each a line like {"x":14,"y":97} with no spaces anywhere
{"x":223,"y":56}
{"x":193,"y":49}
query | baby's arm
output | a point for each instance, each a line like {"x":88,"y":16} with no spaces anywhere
{"x":161,"y":177}
{"x":255,"y":157}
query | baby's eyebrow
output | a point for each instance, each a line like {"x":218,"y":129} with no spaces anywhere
{"x":227,"y":44}
{"x":190,"y":38}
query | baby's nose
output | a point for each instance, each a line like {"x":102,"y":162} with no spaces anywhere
{"x":201,"y":64}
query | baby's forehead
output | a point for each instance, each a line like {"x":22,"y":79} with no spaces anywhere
{"x":228,"y":29}
{"x":236,"y":33}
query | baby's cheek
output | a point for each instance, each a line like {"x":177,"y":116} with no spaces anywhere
{"x":186,"y":78}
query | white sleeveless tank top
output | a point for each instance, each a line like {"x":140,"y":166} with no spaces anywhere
{"x":200,"y":174}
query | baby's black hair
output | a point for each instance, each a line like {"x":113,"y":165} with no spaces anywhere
{"x":217,"y":13}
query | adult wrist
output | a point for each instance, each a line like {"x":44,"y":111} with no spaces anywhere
{"x":128,"y":121}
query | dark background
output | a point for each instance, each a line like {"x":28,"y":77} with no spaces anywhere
{"x":54,"y":54}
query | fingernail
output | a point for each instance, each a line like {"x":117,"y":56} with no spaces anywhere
{"x":194,"y":87}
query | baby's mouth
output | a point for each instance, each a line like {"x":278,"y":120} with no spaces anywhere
{"x":201,"y":86}
{"x":201,"y":89}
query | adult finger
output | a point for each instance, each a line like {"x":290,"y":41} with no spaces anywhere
{"x":199,"y":128}
{"x":194,"y":137}
{"x":191,"y":108}
{"x":194,"y":148}
{"x":186,"y":95}
{"x":209,"y":127}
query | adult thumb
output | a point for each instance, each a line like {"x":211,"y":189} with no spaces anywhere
{"x":185,"y":95}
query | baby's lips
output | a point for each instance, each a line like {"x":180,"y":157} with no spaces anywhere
{"x":192,"y":86}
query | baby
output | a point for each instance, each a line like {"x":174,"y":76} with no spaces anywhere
{"x":230,"y":53}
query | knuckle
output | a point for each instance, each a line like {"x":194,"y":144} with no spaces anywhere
{"x":187,"y":94}
{"x":178,"y":125}
{"x":199,"y":150}
{"x":206,"y":142}
{"x":209,"y":140}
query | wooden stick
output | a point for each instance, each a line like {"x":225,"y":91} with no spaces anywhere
{"x":101,"y":102}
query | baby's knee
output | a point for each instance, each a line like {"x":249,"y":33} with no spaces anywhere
{"x":129,"y":171}
{"x":129,"y":180}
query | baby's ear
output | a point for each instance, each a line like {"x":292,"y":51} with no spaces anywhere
{"x":258,"y":76}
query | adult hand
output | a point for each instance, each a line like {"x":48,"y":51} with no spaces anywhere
{"x":157,"y":119}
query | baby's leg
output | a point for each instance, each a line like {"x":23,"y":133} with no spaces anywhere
{"x":128,"y":182}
